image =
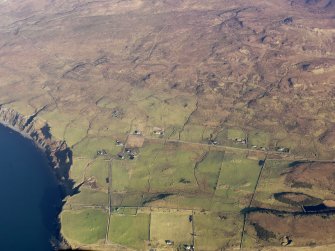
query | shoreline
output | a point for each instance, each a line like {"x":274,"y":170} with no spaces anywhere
{"x":57,"y":154}
{"x":23,"y":134}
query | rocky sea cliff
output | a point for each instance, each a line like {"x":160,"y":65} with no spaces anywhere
{"x":57,"y":152}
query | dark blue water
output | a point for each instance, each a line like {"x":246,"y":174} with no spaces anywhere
{"x":29,"y":195}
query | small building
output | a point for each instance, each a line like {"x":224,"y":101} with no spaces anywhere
{"x":120,"y":155}
{"x":101,"y":152}
{"x":131,"y":156}
{"x":137,"y":132}
{"x":158,"y":131}
{"x":189,"y":247}
{"x":282,"y":149}
{"x":241,"y":141}
{"x":169,"y":242}
{"x":212,"y":142}
{"x":118,"y":143}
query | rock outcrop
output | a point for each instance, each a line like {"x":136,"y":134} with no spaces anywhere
{"x":59,"y":155}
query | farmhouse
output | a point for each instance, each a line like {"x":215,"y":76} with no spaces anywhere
{"x":189,"y":247}
{"x":120,"y":155}
{"x":102,"y":152}
{"x":282,"y":149}
{"x":158,"y":131}
{"x":241,"y":141}
{"x":169,"y":242}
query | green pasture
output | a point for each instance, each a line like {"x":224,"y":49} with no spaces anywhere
{"x":129,"y":230}
{"x":84,"y":226}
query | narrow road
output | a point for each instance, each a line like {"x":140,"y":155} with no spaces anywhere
{"x":215,"y":146}
{"x":286,"y":156}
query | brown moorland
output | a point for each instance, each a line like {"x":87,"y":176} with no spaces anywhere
{"x":236,"y":85}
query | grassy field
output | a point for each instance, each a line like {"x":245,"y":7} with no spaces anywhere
{"x":192,"y":179}
{"x":23,"y":108}
{"x":215,"y":232}
{"x":174,"y":226}
{"x":222,"y":136}
{"x":105,"y":125}
{"x":76,"y":131}
{"x":259,"y":139}
{"x":236,"y":182}
{"x":85,"y":226}
{"x":222,"y":70}
{"x":196,"y":133}
{"x":273,"y":181}
{"x":126,"y":211}
{"x":208,"y":171}
{"x":166,"y":111}
{"x":168,"y":173}
{"x":199,"y":201}
{"x":59,"y":121}
{"x":88,"y":197}
{"x":121,"y":173}
{"x":235,"y":133}
{"x":89,"y":146}
{"x":98,"y":170}
{"x":129,"y":230}
{"x":127,"y":199}
{"x":154,"y":171}
{"x":77,"y":171}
